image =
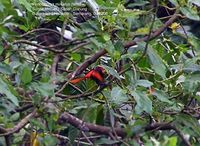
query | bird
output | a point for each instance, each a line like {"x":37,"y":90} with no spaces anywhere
{"x":97,"y":74}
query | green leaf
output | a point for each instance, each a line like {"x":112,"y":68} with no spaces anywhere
{"x":144,"y":83}
{"x":156,"y":62}
{"x":51,"y":122}
{"x":15,"y":117}
{"x":26,"y":4}
{"x":191,"y":83}
{"x":37,"y":99}
{"x":106,"y":141}
{"x":191,"y":68}
{"x":162,"y":96}
{"x":2,"y":7}
{"x":26,"y":75}
{"x":111,"y":71}
{"x":15,"y":64}
{"x":138,"y":3}
{"x":190,"y":13}
{"x":5,"y":69}
{"x":23,"y":27}
{"x":143,"y":102}
{"x":37,"y":123}
{"x":110,"y":48}
{"x":72,"y":133}
{"x":1,"y":49}
{"x":196,"y":2}
{"x":142,"y":31}
{"x":195,"y":42}
{"x":118,"y":96}
{"x":4,"y":89}
{"x":100,"y":115}
{"x":174,"y":2}
{"x":45,"y":89}
{"x":172,"y":141}
{"x":106,"y":37}
{"x":76,"y":57}
{"x":50,"y":140}
{"x":98,"y":43}
{"x":188,"y":124}
{"x":131,"y":13}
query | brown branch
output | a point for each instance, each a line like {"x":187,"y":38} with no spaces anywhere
{"x":74,"y":96}
{"x":61,"y":137}
{"x":6,"y":137}
{"x":185,"y":141}
{"x":167,"y":126}
{"x":88,"y":127}
{"x":54,"y":65}
{"x":127,"y":45}
{"x":2,"y":130}
{"x":23,"y":108}
{"x":52,"y":48}
{"x":40,"y":29}
{"x":74,"y":49}
{"x":20,"y":125}
{"x":155,"y":34}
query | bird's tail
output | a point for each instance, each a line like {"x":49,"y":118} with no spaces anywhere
{"x":77,"y":80}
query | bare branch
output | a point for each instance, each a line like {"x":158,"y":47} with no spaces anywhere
{"x":20,"y":125}
{"x":54,"y":65}
{"x":167,"y":126}
{"x":40,"y":29}
{"x":23,"y":108}
{"x":88,"y":127}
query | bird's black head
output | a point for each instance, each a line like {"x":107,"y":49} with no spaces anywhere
{"x":101,"y":70}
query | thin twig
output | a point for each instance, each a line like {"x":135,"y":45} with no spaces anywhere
{"x":23,"y":108}
{"x":74,"y":49}
{"x":147,"y":41}
{"x":49,"y":48}
{"x":66,"y":138}
{"x":167,"y":126}
{"x":7,"y":137}
{"x":54,"y":65}
{"x":86,"y":137}
{"x":40,"y":29}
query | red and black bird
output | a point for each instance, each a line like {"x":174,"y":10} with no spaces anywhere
{"x":97,"y":74}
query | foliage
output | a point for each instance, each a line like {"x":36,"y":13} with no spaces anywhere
{"x":151,"y":88}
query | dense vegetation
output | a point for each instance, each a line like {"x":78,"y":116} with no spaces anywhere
{"x":150,"y":51}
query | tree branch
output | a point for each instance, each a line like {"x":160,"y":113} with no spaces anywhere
{"x":54,"y":65}
{"x":88,"y":127}
{"x":155,"y":34}
{"x":19,"y":126}
{"x":167,"y":126}
{"x":23,"y":108}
